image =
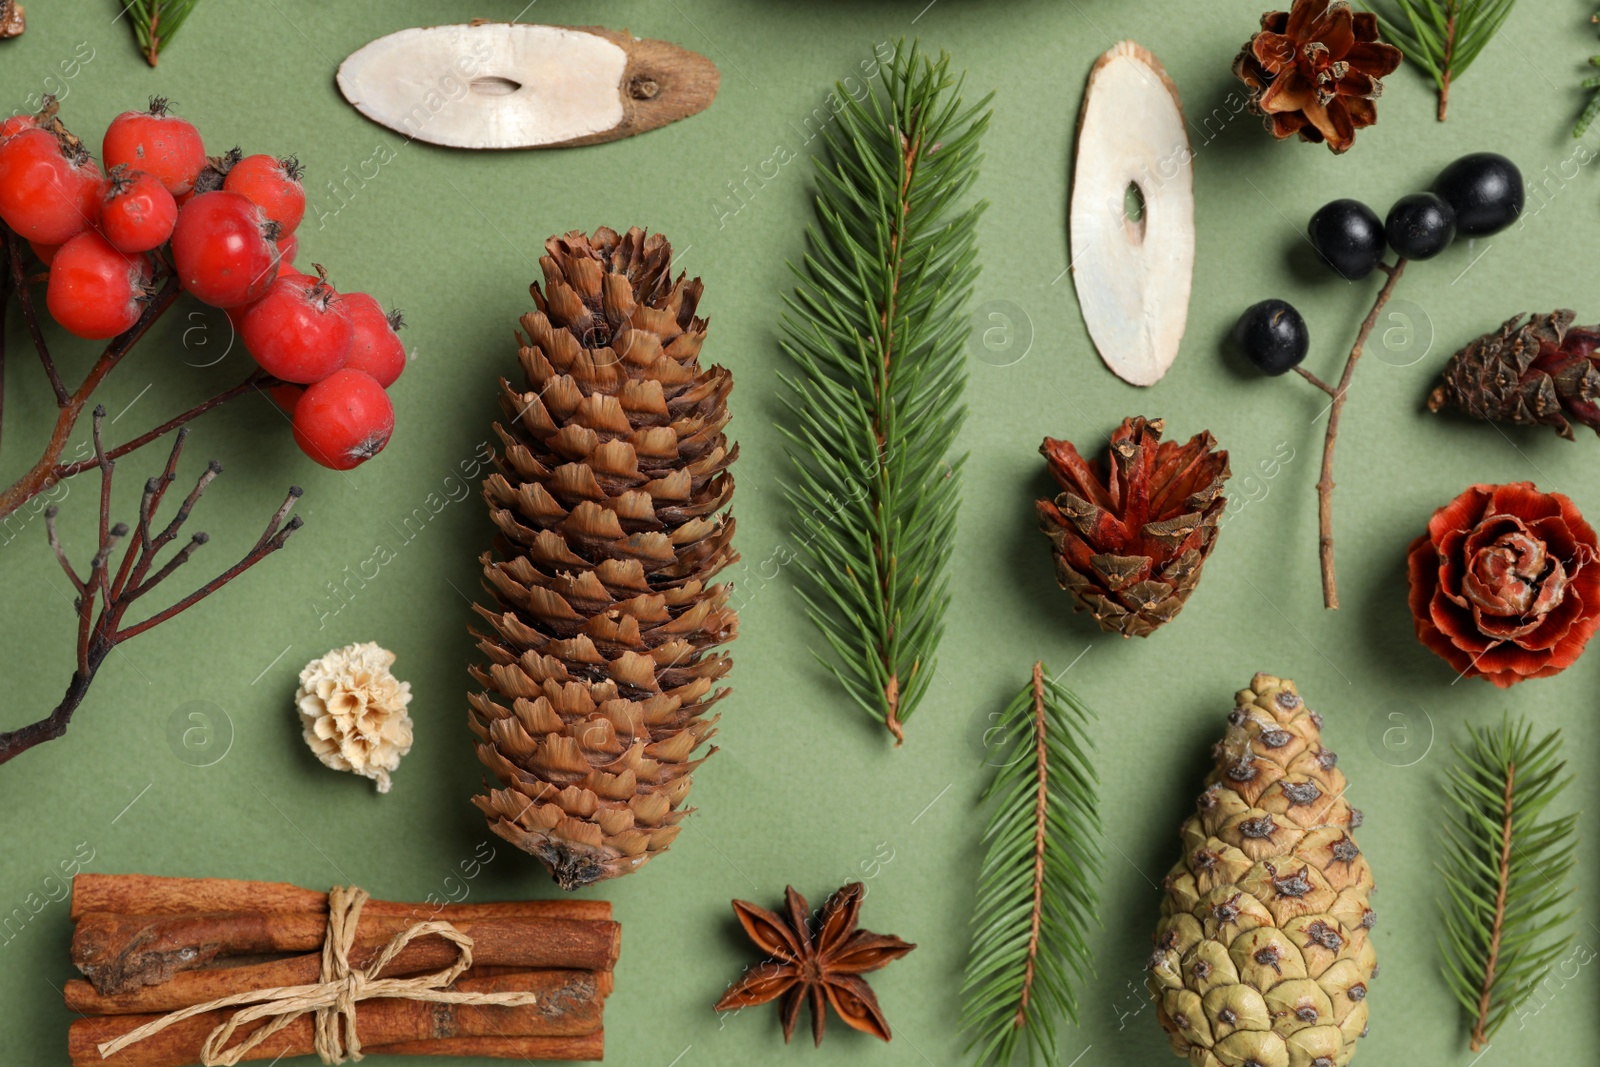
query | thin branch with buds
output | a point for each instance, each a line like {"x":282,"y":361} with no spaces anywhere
{"x":106,"y":592}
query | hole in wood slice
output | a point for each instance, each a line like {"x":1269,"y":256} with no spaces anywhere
{"x":643,"y":87}
{"x":494,"y":86}
{"x":1133,"y":210}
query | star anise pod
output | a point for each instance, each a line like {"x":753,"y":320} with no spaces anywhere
{"x":826,"y":969}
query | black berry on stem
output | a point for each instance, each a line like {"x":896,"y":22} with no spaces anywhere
{"x":1272,"y":337}
{"x":1485,"y":190}
{"x":1348,"y":235}
{"x":1420,"y":226}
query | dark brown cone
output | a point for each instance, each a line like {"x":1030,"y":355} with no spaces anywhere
{"x":608,"y":497}
{"x":1131,"y":534}
{"x":1543,"y":372}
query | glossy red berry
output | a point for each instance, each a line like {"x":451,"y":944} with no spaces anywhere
{"x":343,"y":420}
{"x":299,"y":332}
{"x":157,"y":143}
{"x":376,"y":349}
{"x":48,"y":191}
{"x":288,"y":248}
{"x":46,"y":253}
{"x":223,"y":249}
{"x":274,"y":184}
{"x":286,"y":396}
{"x":137,"y":213}
{"x":15,"y":124}
{"x":95,"y":290}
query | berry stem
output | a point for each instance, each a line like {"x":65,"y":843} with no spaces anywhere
{"x":1330,"y":580}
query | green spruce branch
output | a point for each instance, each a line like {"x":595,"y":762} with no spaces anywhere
{"x":1506,"y":868}
{"x":876,"y":332}
{"x":1442,"y":37}
{"x":1586,"y":119}
{"x":1039,"y":883}
{"x":156,"y":22}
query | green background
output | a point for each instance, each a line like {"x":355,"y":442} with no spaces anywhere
{"x":805,"y":790}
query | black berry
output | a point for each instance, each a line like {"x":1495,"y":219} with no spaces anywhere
{"x":1349,"y":236}
{"x":1272,"y":337}
{"x":1420,"y":226}
{"x":1485,"y":189}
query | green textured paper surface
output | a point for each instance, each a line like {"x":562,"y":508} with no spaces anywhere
{"x":804,"y":790}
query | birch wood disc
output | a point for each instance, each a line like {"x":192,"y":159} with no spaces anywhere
{"x":515,"y":85}
{"x":1133,"y":276}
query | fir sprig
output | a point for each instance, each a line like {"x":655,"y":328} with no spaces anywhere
{"x":156,"y":22}
{"x":877,"y":332}
{"x":1505,"y":869}
{"x":1590,"y":111}
{"x":1442,"y":37}
{"x":1038,"y":886}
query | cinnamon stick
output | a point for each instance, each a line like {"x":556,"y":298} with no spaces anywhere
{"x":143,"y":894}
{"x":588,"y":1047}
{"x":120,"y":953}
{"x":197,"y":987}
{"x":569,"y":1006}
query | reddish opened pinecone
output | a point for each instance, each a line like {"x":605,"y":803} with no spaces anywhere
{"x":1131,"y":534}
{"x":608,"y":498}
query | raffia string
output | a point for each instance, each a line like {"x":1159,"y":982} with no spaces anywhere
{"x":334,"y":998}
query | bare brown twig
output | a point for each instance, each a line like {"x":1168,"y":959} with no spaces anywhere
{"x":102,"y":600}
{"x":106,"y":591}
{"x":1338,"y":394}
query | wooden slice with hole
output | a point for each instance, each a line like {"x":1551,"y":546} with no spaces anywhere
{"x":514,"y":85}
{"x":1132,"y":214}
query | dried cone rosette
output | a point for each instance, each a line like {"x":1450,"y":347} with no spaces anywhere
{"x":1505,"y":585}
{"x":609,"y":498}
{"x":1315,"y":70}
{"x":1263,"y":954}
{"x":1542,"y":372}
{"x":1131,"y":534}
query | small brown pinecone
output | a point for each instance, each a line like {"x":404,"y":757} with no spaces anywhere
{"x":1130,"y":534}
{"x":1315,"y":70}
{"x":1542,"y":372}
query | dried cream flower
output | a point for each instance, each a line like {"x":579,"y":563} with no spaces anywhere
{"x":354,"y":711}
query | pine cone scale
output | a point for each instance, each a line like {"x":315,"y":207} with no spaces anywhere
{"x":609,"y":499}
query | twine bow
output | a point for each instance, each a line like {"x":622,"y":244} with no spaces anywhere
{"x":334,"y":998}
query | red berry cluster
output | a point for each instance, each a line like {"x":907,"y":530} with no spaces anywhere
{"x":224,"y":226}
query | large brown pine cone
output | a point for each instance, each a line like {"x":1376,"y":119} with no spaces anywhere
{"x":608,"y":499}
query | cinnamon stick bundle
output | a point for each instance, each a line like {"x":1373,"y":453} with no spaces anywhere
{"x":149,"y":946}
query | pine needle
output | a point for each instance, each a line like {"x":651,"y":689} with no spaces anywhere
{"x":1592,"y":109}
{"x":877,"y":332}
{"x":1506,"y":870}
{"x":1039,"y":884}
{"x":1442,"y":37}
{"x":156,"y":22}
